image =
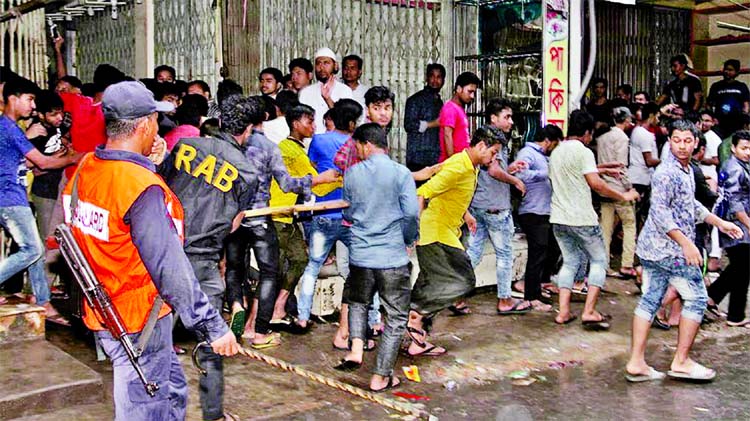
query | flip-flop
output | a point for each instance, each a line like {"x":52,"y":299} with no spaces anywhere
{"x":58,"y":319}
{"x":270,"y":342}
{"x":659,"y":324}
{"x":572,"y":318}
{"x":456,"y":311}
{"x":430,"y":351}
{"x":349,"y":348}
{"x":237,"y":323}
{"x":698,"y":373}
{"x":391,"y":385}
{"x":598,"y":325}
{"x":514,"y":309}
{"x":348,"y":365}
{"x":653,"y":374}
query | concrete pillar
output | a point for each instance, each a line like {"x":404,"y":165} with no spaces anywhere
{"x":144,"y":39}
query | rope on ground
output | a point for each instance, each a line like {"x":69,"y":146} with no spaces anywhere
{"x":336,"y":384}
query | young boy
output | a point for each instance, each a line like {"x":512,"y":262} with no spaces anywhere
{"x":669,"y":256}
{"x":384,"y":217}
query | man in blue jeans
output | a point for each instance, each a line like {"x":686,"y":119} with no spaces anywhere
{"x":384,"y":214}
{"x":666,"y":247}
{"x":326,"y":227}
{"x":15,"y":214}
{"x":573,"y":171}
{"x":490,"y":212}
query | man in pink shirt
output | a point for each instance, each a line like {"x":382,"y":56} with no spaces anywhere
{"x":454,"y":125}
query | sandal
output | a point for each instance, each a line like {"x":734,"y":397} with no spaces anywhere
{"x":628,"y":273}
{"x":714,"y":309}
{"x":427,"y":350}
{"x":270,"y":342}
{"x":698,"y":373}
{"x":458,"y":311}
{"x":515,"y":309}
{"x":652,"y":375}
{"x":660,"y":324}
{"x":58,"y":319}
{"x":391,"y":384}
{"x":598,"y":325}
{"x":572,"y":318}
{"x":348,"y":366}
{"x":369,"y":346}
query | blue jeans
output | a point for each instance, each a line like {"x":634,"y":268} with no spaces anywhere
{"x":499,"y":228}
{"x":20,"y":223}
{"x":324,"y":232}
{"x":687,"y":280}
{"x":576,"y":245}
{"x":160,"y":365}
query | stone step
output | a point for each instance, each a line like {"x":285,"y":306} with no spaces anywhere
{"x":38,"y":377}
{"x":20,"y":322}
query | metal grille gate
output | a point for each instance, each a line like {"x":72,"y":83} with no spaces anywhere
{"x":185,"y":33}
{"x":635,"y":44}
{"x":23,"y":43}
{"x":396,"y":39}
{"x":101,"y":39}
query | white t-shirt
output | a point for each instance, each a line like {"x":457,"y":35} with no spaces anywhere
{"x":276,"y":130}
{"x":359,"y":96}
{"x":713,"y":141}
{"x":641,"y":140}
{"x":571,"y":194}
{"x":311,"y":96}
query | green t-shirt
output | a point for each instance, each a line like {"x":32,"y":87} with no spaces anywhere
{"x":725,"y":150}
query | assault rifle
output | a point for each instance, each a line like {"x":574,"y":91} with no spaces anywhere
{"x":100,"y":302}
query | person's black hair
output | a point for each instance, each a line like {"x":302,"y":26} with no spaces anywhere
{"x":258,"y":117}
{"x":106,"y":75}
{"x":48,"y":101}
{"x":192,"y":109}
{"x":734,"y":63}
{"x":89,"y":90}
{"x":72,"y":81}
{"x":435,"y":66}
{"x":740,"y":135}
{"x":201,"y":84}
{"x":269,"y":107}
{"x":618,"y":102}
{"x":302,"y":63}
{"x":372,"y":133}
{"x":237,"y":113}
{"x":579,"y":123}
{"x":278,"y":76}
{"x":285,"y":100}
{"x":644,"y":93}
{"x":378,"y":94}
{"x":356,"y":58}
{"x":692,"y":116}
{"x":227,"y":87}
{"x":490,"y":135}
{"x":625,"y":88}
{"x":551,"y":132}
{"x":649,"y":109}
{"x":496,"y":106}
{"x":162,"y":90}
{"x":685,"y":126}
{"x":598,"y":80}
{"x":745,"y":121}
{"x":164,"y":67}
{"x":701,"y":143}
{"x":286,"y":79}
{"x":346,"y":112}
{"x":6,"y":74}
{"x":210,"y":127}
{"x":296,"y":112}
{"x":181,"y":87}
{"x":328,"y":115}
{"x":680,"y":58}
{"x":707,"y":112}
{"x":17,"y":86}
{"x":468,"y":78}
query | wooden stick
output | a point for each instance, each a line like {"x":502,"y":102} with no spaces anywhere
{"x":294,"y":209}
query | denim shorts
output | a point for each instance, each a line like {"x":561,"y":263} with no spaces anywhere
{"x":687,"y":280}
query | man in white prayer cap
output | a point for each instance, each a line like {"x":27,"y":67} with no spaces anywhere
{"x":327,"y":90}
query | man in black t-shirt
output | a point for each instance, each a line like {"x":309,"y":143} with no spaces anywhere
{"x":685,"y":89}
{"x":47,"y":135}
{"x":729,"y":98}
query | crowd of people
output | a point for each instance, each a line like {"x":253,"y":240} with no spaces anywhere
{"x":170,"y":192}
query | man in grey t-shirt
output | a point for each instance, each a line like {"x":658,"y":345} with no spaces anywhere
{"x":490,"y":212}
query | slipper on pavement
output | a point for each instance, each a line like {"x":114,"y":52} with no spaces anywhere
{"x":58,"y":319}
{"x":515,"y":309}
{"x":652,"y":374}
{"x":572,"y":318}
{"x":698,"y":373}
{"x":270,"y":342}
{"x":391,"y":385}
{"x":348,"y":365}
{"x":598,"y":325}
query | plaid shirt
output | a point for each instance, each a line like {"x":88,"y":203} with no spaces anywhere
{"x":346,"y":157}
{"x":265,"y":156}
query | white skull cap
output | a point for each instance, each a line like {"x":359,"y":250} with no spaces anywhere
{"x":326,"y":52}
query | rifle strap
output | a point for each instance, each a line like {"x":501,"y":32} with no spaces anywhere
{"x":153,"y":315}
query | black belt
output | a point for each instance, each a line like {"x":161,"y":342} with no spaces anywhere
{"x":493,"y":211}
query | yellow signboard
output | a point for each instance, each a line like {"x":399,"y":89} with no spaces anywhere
{"x":555,"y":56}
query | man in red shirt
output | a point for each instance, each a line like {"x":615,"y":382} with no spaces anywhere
{"x":454,"y":125}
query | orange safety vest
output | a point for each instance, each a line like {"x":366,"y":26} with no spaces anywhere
{"x":106,"y":191}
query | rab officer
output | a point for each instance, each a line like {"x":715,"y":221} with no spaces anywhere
{"x":128,"y":224}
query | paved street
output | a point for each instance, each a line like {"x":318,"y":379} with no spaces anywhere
{"x":484,"y":350}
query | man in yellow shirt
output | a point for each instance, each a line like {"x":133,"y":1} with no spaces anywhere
{"x":445,"y":271}
{"x":301,"y":121}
